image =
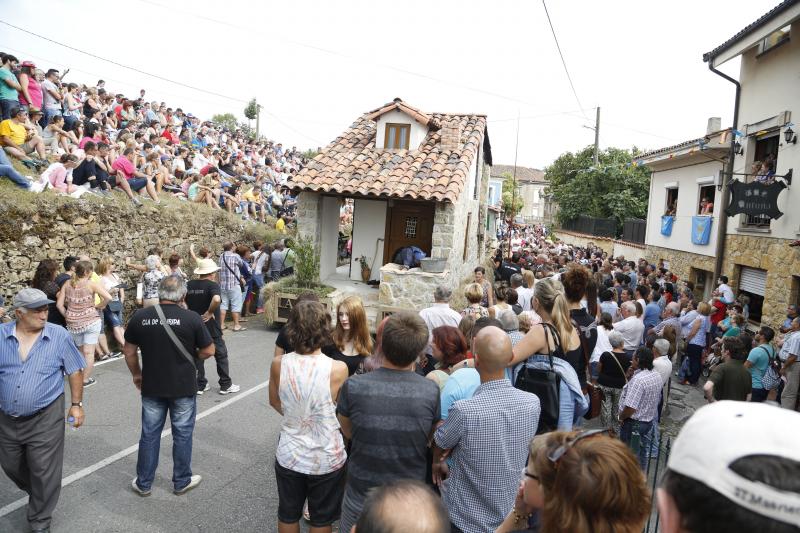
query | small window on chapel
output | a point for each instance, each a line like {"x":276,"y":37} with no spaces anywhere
{"x":397,"y":136}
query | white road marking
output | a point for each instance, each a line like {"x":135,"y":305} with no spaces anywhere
{"x":80,"y":474}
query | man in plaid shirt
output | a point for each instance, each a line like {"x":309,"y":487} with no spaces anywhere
{"x":230,"y":285}
{"x":488,"y":435}
{"x":638,"y":404}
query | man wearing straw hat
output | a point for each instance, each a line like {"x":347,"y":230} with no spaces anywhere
{"x":203,"y":297}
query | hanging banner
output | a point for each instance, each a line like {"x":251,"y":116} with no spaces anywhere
{"x":701,"y":229}
{"x":755,"y":199}
{"x":667,"y":222}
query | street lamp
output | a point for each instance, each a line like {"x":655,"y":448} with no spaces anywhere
{"x":789,"y":136}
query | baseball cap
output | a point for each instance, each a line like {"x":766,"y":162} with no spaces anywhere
{"x":30,"y":299}
{"x":722,"y":432}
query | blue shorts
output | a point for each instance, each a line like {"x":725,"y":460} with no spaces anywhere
{"x":231,"y":300}
{"x":137,"y":184}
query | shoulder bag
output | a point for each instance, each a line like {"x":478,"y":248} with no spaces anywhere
{"x":238,"y":278}
{"x":772,"y":376}
{"x":545,"y":384}
{"x":174,"y":338}
{"x":595,"y":393}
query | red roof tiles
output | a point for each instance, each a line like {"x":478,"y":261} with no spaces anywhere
{"x":352,"y":165}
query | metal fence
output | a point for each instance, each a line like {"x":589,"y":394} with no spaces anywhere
{"x":633,"y":230}
{"x":655,"y":468}
{"x":599,"y":227}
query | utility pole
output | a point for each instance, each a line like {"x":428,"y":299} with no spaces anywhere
{"x":597,"y":137}
{"x":258,"y":118}
{"x":513,"y":189}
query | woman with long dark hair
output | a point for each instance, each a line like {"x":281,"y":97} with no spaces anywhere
{"x":44,"y":279}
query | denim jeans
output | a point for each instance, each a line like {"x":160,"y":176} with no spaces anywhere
{"x":6,"y":107}
{"x":11,"y":173}
{"x":638,"y":436}
{"x":258,"y":284}
{"x":49,"y":113}
{"x":181,"y":415}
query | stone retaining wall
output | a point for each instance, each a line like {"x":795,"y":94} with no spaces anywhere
{"x":50,"y":226}
{"x":410,"y":289}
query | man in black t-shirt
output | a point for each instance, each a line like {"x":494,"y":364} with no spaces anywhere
{"x":203,"y":297}
{"x":167,"y":379}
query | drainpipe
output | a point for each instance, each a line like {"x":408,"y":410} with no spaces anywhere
{"x":727,"y":176}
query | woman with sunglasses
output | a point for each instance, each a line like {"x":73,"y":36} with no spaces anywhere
{"x":580,"y":482}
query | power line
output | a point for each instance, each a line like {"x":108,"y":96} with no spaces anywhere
{"x":361,"y":59}
{"x":117,"y":63}
{"x":563,"y":61}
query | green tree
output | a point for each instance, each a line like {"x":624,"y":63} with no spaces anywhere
{"x":226,"y":120}
{"x":614,"y":189}
{"x":251,"y":111}
{"x":509,"y":196}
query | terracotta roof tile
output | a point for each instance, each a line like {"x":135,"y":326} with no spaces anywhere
{"x":352,"y":165}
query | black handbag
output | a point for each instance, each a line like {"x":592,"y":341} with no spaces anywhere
{"x":546,"y":385}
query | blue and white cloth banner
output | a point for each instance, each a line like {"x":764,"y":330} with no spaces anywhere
{"x":667,"y":222}
{"x":701,"y":229}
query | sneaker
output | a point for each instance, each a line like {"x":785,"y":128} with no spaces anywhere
{"x":137,"y":202}
{"x":36,"y":187}
{"x":89,"y":382}
{"x":206,"y":388}
{"x":196,"y":479}
{"x":115,"y":355}
{"x":137,"y":489}
{"x":230,"y":390}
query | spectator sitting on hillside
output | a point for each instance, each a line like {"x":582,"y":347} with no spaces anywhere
{"x":19,"y":140}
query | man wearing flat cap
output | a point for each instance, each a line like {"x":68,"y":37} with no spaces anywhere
{"x":34,"y":357}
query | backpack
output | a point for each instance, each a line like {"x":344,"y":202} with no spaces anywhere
{"x":545,"y":384}
{"x":772,"y":375}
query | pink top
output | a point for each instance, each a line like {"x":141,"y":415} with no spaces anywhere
{"x":79,"y":302}
{"x":56,"y":174}
{"x":124,"y":165}
{"x":82,"y":143}
{"x":35,"y":90}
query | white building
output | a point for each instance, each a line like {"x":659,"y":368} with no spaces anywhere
{"x":417,"y":179}
{"x":530,"y":187}
{"x":754,"y":252}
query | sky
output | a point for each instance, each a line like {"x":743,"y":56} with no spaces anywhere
{"x":317,"y":66}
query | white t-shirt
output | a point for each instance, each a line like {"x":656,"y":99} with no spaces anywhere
{"x":727,"y":293}
{"x":524,"y":297}
{"x":602,"y":345}
{"x":663,"y":366}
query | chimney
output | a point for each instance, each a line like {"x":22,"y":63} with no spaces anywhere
{"x":450,"y":135}
{"x":714,"y":124}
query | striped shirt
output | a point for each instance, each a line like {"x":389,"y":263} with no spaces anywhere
{"x":791,"y":346}
{"x":30,"y":386}
{"x":489,"y":435}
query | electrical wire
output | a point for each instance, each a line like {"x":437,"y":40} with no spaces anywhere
{"x":563,"y":61}
{"x":117,"y":63}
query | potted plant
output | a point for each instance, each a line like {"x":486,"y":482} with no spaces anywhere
{"x":366,"y":271}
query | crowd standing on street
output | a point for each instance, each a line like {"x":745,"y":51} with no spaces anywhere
{"x":460,"y":420}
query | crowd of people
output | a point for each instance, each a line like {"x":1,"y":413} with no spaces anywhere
{"x":478,"y":412}
{"x":460,"y":420}
{"x":79,"y":139}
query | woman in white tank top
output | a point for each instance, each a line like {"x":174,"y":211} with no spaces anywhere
{"x":303,"y":387}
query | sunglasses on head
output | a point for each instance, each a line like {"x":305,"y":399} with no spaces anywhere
{"x":559,"y":452}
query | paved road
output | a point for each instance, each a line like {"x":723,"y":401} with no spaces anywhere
{"x":234,"y":445}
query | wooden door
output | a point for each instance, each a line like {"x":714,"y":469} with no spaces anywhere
{"x":408,"y":224}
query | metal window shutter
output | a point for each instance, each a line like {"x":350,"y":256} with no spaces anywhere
{"x":753,"y":280}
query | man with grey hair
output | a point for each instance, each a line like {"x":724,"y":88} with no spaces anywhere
{"x":631,"y":327}
{"x":439,"y":314}
{"x":170,"y":338}
{"x":32,"y":402}
{"x":670,"y":317}
{"x":403,"y":505}
{"x":662,"y":364}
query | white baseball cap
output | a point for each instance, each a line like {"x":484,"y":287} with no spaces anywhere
{"x":722,"y":432}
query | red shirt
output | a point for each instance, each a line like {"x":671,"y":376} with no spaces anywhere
{"x":719,"y":314}
{"x":204,"y":171}
{"x":170,"y":137}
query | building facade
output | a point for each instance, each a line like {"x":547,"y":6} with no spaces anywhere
{"x":756,"y":256}
{"x":417,"y":179}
